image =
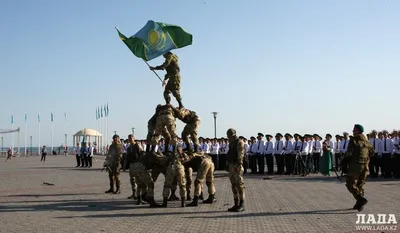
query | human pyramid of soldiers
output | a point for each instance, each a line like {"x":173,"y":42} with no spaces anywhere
{"x":176,"y":165}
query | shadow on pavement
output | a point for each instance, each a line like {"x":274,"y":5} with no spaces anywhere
{"x":50,"y":195}
{"x":265,"y":214}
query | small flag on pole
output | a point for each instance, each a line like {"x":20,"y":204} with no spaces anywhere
{"x":12,"y":118}
{"x":65,"y":115}
{"x":52,"y":118}
{"x":107,"y":109}
{"x":38,"y":117}
{"x":97,"y":115}
{"x":26,"y":117}
{"x":101,"y":112}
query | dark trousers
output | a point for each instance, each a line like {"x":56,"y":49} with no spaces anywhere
{"x":338,"y":158}
{"x":245,"y":163}
{"x":253,"y":163}
{"x":270,"y":163}
{"x":83,"y":158}
{"x":78,"y":160}
{"x":280,"y":163}
{"x":316,"y":158}
{"x":222,"y":162}
{"x":396,"y":165}
{"x":43,"y":158}
{"x":373,"y":166}
{"x":289,"y":163}
{"x":261,"y":163}
{"x":123,"y":161}
{"x":386,"y":165}
{"x":89,"y":159}
{"x":310,"y":163}
{"x":215,"y":160}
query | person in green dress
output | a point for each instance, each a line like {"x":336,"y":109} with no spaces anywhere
{"x":326,"y":162}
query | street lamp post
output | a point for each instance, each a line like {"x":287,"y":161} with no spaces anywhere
{"x":31,"y":145}
{"x":133,"y":131}
{"x":215,"y":123}
{"x":115,"y":132}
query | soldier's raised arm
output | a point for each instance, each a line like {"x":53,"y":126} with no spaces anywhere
{"x":166,"y":63}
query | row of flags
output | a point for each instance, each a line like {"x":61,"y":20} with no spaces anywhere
{"x":102,"y":111}
{"x":38,"y":117}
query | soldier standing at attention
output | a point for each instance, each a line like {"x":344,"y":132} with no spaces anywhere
{"x":173,"y":77}
{"x":133,"y":152}
{"x":357,"y":158}
{"x":114,"y":162}
{"x":235,"y":168}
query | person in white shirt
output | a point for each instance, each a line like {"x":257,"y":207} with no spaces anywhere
{"x":214,"y":153}
{"x":316,"y":152}
{"x":252,"y":155}
{"x":336,"y":150}
{"x":223,"y":151}
{"x":396,"y":158}
{"x":278,"y":154}
{"x":78,"y":154}
{"x":301,"y":167}
{"x":387,"y":150}
{"x":310,"y":160}
{"x":288,"y":149}
{"x":260,"y":154}
{"x":268,"y":153}
{"x":90,"y":154}
{"x":373,"y":163}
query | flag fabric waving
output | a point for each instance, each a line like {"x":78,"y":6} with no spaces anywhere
{"x":12,"y":118}
{"x":107,"y":109}
{"x":156,"y":39}
{"x":52,"y":118}
{"x":101,"y":112}
{"x":26,"y":117}
{"x":38,"y":117}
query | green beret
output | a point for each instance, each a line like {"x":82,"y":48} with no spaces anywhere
{"x":359,"y":127}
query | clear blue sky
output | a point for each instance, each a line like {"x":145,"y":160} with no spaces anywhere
{"x":265,"y":66}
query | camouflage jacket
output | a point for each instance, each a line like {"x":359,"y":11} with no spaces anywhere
{"x":235,"y":153}
{"x":166,"y":110}
{"x":359,"y":150}
{"x":185,"y":115}
{"x":170,"y":65}
{"x":114,"y":155}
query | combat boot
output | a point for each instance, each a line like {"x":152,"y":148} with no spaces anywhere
{"x":235,"y":207}
{"x":173,"y":197}
{"x":140,"y":201}
{"x":201,"y":197}
{"x":144,"y":197}
{"x":195,"y":201}
{"x":118,"y":191}
{"x":152,"y":203}
{"x":182,"y":202}
{"x":241,"y":206}
{"x":211,"y":199}
{"x":188,"y":197}
{"x":133,"y":196}
{"x":165,"y":202}
{"x":361,"y":202}
{"x":111,"y":190}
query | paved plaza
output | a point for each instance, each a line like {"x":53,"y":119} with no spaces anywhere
{"x":77,"y":202}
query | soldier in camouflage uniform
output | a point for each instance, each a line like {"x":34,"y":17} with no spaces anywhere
{"x":113,"y":160}
{"x":165,"y":119}
{"x":357,"y":158}
{"x":151,"y":127}
{"x":235,"y":168}
{"x":192,"y":122}
{"x":173,"y":77}
{"x":133,"y":153}
{"x":175,"y":170}
{"x":162,"y":169}
{"x":205,"y":171}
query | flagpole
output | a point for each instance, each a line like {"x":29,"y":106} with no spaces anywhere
{"x":52,"y":128}
{"x":39,"y":133}
{"x":12,"y":135}
{"x":65,"y":133}
{"x":153,"y":71}
{"x":26,"y":132}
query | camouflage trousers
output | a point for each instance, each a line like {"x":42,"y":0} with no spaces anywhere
{"x":155,"y":172}
{"x":165,"y":121}
{"x":175,"y":171}
{"x":356,"y":177}
{"x":191,"y":130}
{"x":236,"y":178}
{"x":138,"y":187}
{"x":143,"y":179}
{"x":164,"y":133}
{"x":173,"y":86}
{"x":205,"y":171}
{"x":113,"y":175}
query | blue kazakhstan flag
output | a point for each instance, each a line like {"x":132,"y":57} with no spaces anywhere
{"x":156,"y":39}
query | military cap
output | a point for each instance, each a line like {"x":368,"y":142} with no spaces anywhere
{"x":385,"y":131}
{"x":231,"y":132}
{"x":328,"y":135}
{"x":241,"y":137}
{"x":359,"y":127}
{"x":288,"y":135}
{"x":279,"y":135}
{"x":296,"y":135}
{"x":374,"y":131}
{"x":337,"y":136}
{"x":345,"y":133}
{"x":115,"y":136}
{"x":252,"y":138}
{"x":268,"y":136}
{"x":260,"y":135}
{"x":315,"y":135}
{"x":245,"y":138}
{"x":201,"y":138}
